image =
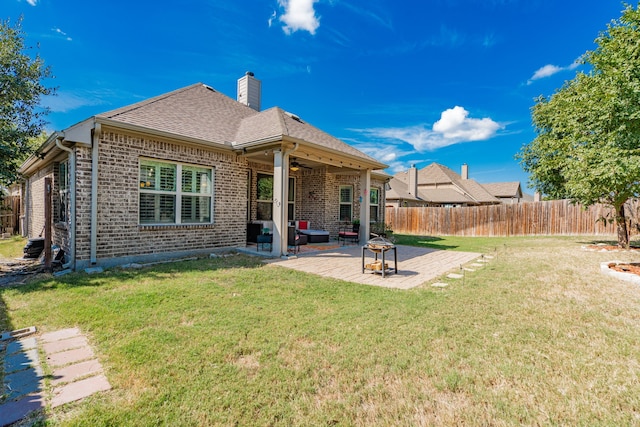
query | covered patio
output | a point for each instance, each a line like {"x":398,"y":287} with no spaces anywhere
{"x":415,"y":265}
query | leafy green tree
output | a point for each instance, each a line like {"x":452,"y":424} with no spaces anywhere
{"x":21,"y":118}
{"x":587,"y":146}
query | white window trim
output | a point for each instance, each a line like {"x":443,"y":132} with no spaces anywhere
{"x":63,"y":192}
{"x":178,"y":192}
{"x":341,"y":203}
{"x":289,"y":202}
{"x":371,"y":204}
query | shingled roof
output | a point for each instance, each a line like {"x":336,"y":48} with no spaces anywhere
{"x":431,"y":177}
{"x":504,"y":189}
{"x":200,"y":112}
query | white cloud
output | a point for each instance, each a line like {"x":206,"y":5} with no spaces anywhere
{"x":63,"y":102}
{"x":550,"y":69}
{"x":62,"y":33}
{"x":455,"y":126}
{"x":273,"y":16}
{"x":32,"y":2}
{"x":299,"y":15}
{"x":386,"y":153}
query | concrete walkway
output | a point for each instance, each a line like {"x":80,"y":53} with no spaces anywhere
{"x":415,"y":265}
{"x":75,"y":372}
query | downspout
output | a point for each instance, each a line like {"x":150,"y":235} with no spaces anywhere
{"x":97,"y":133}
{"x":72,"y":202}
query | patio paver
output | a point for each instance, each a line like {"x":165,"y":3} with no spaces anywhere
{"x":415,"y":265}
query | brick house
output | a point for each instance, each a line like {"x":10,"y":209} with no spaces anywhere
{"x":437,"y":185}
{"x":187,"y":171}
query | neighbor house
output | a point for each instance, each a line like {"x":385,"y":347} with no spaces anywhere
{"x":190,"y":171}
{"x":437,"y":185}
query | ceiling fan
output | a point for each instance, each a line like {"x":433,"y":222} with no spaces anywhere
{"x":295,"y":166}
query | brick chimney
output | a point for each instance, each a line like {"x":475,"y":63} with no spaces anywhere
{"x":464,"y":173}
{"x":249,"y":91}
{"x":413,"y":181}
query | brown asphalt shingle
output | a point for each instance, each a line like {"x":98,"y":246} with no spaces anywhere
{"x":198,"y":111}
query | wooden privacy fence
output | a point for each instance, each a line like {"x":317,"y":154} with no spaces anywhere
{"x":10,"y":215}
{"x":557,"y":217}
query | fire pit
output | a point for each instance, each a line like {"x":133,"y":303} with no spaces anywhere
{"x":379,"y":245}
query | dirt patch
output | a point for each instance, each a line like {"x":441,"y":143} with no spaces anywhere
{"x":17,"y":271}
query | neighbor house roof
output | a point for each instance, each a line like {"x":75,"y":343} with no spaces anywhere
{"x":399,"y":191}
{"x":504,"y":189}
{"x":457,"y":190}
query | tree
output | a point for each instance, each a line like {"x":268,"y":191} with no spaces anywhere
{"x":21,"y":118}
{"x":587,"y":146}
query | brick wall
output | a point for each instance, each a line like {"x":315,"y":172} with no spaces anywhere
{"x":34,"y":205}
{"x":317,"y":195}
{"x":119,"y":232}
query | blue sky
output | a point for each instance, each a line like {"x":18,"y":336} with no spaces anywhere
{"x":408,"y":82}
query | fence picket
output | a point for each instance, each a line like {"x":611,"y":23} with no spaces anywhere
{"x":555,"y":217}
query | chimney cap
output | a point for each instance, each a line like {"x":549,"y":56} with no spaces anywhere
{"x":250,"y":73}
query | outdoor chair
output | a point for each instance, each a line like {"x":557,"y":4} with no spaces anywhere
{"x":348,"y":233}
{"x":295,"y":239}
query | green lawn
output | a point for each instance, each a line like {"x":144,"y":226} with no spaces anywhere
{"x":537,"y":337}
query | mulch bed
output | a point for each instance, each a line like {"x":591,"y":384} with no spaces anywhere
{"x":601,"y":247}
{"x":632,"y":268}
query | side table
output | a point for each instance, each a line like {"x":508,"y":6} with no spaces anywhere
{"x":262,"y":239}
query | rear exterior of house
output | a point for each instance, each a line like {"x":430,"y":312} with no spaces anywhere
{"x":185,"y":172}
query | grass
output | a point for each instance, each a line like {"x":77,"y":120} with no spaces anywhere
{"x":12,"y":247}
{"x":537,"y":337}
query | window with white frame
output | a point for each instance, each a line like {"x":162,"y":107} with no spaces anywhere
{"x":63,"y":190}
{"x":291,"y":200}
{"x":175,"y":193}
{"x":264,"y":198}
{"x":346,"y":203}
{"x":374,"y":204}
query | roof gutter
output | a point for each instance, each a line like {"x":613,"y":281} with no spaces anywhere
{"x":163,"y":134}
{"x":40,"y":154}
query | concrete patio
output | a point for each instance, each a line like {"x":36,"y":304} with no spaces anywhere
{"x":415,"y":265}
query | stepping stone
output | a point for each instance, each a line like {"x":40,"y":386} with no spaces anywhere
{"x":455,"y":276}
{"x":488,"y":256}
{"x":62,"y":345}
{"x":23,"y":382}
{"x":79,"y":390}
{"x":69,"y":356}
{"x":469,"y":269}
{"x":62,"y":334}
{"x":439,"y":285}
{"x":18,"y":333}
{"x":14,"y":411}
{"x":78,"y":370}
{"x":475,"y":264}
{"x":22,"y":345}
{"x":20,"y":361}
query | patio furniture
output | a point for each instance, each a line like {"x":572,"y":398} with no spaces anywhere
{"x":379,"y":245}
{"x":262,"y":239}
{"x":348,"y":233}
{"x":295,"y":239}
{"x":313,"y":236}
